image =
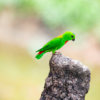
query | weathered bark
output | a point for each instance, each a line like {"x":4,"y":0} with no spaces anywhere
{"x":68,"y":79}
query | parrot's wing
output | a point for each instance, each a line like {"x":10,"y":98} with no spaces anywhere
{"x":54,"y":43}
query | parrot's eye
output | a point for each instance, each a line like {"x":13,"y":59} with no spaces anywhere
{"x":72,"y":36}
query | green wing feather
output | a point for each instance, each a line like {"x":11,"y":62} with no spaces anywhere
{"x":52,"y":44}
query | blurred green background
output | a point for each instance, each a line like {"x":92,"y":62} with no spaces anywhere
{"x":26,"y":25}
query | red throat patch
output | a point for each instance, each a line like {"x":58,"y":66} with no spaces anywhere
{"x":40,"y":52}
{"x":66,"y":42}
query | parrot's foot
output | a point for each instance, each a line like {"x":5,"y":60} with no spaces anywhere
{"x":56,"y":53}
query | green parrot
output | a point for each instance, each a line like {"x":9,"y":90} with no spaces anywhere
{"x":55,"y":44}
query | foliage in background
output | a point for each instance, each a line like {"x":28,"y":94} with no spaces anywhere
{"x":83,"y":14}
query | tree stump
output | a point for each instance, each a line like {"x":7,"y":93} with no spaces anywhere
{"x":68,"y":79}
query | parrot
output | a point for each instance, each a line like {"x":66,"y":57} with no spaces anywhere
{"x":55,"y":44}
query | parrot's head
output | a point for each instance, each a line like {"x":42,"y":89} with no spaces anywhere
{"x":69,"y":36}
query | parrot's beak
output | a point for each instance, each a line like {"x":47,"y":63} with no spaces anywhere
{"x":73,"y":39}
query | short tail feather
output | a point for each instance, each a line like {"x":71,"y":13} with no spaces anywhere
{"x":40,"y":54}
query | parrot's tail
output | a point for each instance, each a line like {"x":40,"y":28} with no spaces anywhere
{"x":40,"y":54}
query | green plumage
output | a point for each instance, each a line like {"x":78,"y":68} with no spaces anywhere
{"x":55,"y":44}
{"x":38,"y":56}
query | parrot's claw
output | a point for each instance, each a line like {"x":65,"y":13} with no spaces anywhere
{"x":56,"y":53}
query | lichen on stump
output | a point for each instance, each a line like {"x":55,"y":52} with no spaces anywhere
{"x":68,"y":79}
